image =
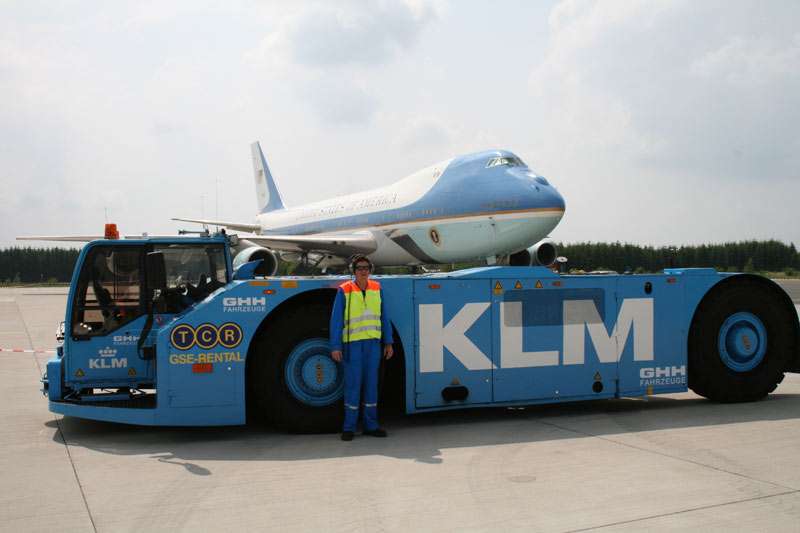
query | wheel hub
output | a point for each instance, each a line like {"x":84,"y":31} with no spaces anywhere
{"x":312,"y":376}
{"x":742,"y":341}
{"x":319,"y":372}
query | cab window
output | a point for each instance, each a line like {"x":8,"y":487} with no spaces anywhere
{"x":109,"y":290}
{"x":193,"y":272}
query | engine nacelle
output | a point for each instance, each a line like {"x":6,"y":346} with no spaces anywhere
{"x":246,"y":251}
{"x":543,"y":253}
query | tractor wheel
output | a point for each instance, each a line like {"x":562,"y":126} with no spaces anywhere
{"x":293,"y":382}
{"x":740,"y":341}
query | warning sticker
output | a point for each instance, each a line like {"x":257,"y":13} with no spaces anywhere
{"x":518,"y":285}
{"x":538,"y":284}
{"x":131,"y":371}
{"x":498,"y":288}
{"x":79,"y":373}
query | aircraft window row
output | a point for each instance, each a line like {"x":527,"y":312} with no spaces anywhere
{"x":506,"y":160}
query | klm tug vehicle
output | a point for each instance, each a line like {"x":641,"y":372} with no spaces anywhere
{"x":164,"y":331}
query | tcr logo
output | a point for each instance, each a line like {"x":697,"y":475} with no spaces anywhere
{"x":206,"y":336}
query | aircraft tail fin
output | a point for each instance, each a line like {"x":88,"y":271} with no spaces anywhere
{"x":269,"y":198}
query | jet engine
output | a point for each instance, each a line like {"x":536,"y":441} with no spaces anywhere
{"x":247,"y":251}
{"x":543,"y":253}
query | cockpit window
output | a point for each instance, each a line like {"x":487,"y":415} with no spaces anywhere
{"x":506,"y":160}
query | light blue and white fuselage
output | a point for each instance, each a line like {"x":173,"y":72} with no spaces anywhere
{"x":478,"y":206}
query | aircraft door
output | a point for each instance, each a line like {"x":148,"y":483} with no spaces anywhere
{"x":454,"y":342}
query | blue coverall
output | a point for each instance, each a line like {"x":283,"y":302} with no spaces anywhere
{"x":361,"y":361}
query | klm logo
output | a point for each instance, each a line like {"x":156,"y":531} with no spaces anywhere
{"x":579,"y":317}
{"x":108,"y":359}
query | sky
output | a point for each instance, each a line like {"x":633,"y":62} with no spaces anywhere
{"x":670,"y":122}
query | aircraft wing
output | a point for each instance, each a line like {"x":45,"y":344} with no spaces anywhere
{"x":63,"y":238}
{"x":251,"y":228}
{"x":87,"y":238}
{"x":339,"y":244}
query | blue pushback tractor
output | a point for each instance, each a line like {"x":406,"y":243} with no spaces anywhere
{"x":163,"y":331}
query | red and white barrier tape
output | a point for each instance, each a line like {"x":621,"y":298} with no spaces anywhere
{"x":20,"y":350}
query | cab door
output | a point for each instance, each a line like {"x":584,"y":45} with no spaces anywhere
{"x":660,"y":366}
{"x":454,"y":341}
{"x":107,"y":317}
{"x":195,"y":270}
{"x":547,"y":337}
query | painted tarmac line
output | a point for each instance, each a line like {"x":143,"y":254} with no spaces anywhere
{"x":20,"y":350}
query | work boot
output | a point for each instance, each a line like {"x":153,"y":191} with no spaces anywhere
{"x":377,"y":432}
{"x":347,"y":436}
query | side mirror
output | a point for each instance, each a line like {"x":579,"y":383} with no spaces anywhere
{"x":156,"y":271}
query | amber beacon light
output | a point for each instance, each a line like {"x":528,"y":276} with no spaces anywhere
{"x":111,"y":231}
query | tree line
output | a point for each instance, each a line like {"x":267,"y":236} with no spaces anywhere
{"x":744,"y":256}
{"x":55,"y":265}
{"x":37,"y":265}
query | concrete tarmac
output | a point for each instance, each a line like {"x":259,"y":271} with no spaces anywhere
{"x":664,"y":463}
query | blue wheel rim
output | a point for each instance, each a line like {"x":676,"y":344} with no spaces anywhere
{"x":313,"y":378}
{"x":742,"y":342}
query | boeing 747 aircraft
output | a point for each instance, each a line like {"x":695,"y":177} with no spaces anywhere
{"x":486,"y":206}
{"x":483,"y":206}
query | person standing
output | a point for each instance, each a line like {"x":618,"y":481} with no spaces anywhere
{"x":358,"y":326}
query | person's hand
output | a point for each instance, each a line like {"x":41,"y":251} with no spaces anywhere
{"x":337,"y":355}
{"x":388,"y":351}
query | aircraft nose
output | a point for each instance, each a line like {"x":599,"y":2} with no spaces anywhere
{"x":556,"y":199}
{"x":544,"y":192}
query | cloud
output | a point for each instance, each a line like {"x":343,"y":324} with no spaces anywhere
{"x":338,"y":101}
{"x":330,"y":52}
{"x":687,"y":108}
{"x":695,"y":88}
{"x":350,"y":34}
{"x":425,"y":133}
{"x":751,"y":63}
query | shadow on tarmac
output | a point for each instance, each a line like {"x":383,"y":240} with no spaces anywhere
{"x":421,"y":437}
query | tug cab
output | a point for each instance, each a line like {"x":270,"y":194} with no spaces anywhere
{"x":120,"y":290}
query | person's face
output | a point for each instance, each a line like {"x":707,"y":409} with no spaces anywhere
{"x":362,"y":271}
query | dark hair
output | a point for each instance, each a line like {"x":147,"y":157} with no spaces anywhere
{"x":359,"y":258}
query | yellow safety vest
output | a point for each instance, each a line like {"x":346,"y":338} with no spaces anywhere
{"x":362,"y":313}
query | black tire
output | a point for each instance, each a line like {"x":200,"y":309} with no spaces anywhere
{"x":269,"y":398}
{"x":709,"y":376}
